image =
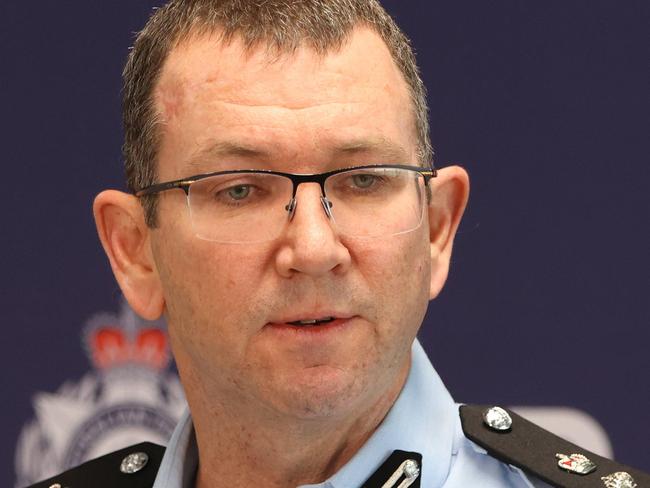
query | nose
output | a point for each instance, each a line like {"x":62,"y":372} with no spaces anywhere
{"x":327,"y":206}
{"x":310,"y":244}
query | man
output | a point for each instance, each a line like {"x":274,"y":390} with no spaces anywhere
{"x":286,"y":221}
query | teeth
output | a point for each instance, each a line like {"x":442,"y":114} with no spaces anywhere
{"x":312,"y":321}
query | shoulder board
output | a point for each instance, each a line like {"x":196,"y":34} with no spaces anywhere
{"x":538,"y":452}
{"x":113,"y":470}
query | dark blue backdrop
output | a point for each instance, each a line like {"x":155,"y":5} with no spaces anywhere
{"x":545,"y":103}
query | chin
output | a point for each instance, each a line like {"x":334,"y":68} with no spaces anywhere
{"x":319,"y":392}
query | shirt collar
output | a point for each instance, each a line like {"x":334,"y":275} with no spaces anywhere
{"x":423,"y":419}
{"x":181,"y":460}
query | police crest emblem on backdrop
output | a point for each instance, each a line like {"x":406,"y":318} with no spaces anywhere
{"x":129,"y":396}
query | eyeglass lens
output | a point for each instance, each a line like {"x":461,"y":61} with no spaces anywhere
{"x":252,"y":207}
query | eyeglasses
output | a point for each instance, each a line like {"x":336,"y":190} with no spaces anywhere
{"x":252,"y":205}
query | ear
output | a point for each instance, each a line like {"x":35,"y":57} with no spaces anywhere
{"x":449,"y":193}
{"x":119,"y":218}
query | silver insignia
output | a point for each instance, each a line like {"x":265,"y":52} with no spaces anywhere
{"x":411,"y":469}
{"x":134,"y":462}
{"x":620,"y":479}
{"x":497,"y":418}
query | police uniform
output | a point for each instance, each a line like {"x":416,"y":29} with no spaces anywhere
{"x":425,"y":441}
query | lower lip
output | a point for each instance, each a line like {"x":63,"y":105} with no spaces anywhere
{"x":324,"y":328}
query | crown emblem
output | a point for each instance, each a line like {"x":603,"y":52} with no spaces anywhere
{"x":575,"y":463}
{"x":113,"y":341}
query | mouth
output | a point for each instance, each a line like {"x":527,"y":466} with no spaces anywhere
{"x":312,"y":322}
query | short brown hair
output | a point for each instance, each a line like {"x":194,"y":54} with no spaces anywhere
{"x":283,"y":25}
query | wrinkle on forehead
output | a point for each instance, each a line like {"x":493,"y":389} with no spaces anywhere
{"x":299,"y":107}
{"x":173,"y":95}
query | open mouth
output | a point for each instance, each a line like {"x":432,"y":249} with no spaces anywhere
{"x":312,"y":322}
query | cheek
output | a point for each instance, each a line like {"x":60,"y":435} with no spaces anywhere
{"x":207,"y":287}
{"x":397,"y":270}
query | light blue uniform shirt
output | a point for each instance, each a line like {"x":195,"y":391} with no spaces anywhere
{"x":424,"y":419}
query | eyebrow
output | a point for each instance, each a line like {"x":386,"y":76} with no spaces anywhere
{"x":222,"y":150}
{"x":384,"y":148}
{"x":388,"y":150}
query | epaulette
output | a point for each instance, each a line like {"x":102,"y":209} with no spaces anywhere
{"x":131,"y":467}
{"x":514,"y":440}
{"x":136,"y":467}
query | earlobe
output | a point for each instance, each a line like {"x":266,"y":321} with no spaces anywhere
{"x":450,"y":191}
{"x":125,"y":237}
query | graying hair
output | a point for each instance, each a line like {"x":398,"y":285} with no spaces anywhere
{"x":281,"y":25}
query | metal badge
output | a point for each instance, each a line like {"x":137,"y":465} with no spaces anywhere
{"x":134,"y":462}
{"x":497,"y":418}
{"x":575,"y":463}
{"x":411,"y":469}
{"x":620,"y":479}
{"x":408,"y":472}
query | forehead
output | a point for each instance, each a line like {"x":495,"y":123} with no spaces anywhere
{"x":210,"y":90}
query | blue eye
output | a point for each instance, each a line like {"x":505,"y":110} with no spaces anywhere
{"x":364,"y":180}
{"x":239,"y":192}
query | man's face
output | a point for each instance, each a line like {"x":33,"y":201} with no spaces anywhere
{"x":228,"y":304}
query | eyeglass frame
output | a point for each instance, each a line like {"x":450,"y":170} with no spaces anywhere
{"x":296,"y":179}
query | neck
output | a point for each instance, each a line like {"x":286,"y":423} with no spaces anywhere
{"x":239,"y":447}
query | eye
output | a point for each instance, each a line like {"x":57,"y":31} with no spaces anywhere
{"x":363,"y":180}
{"x":239,"y":192}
